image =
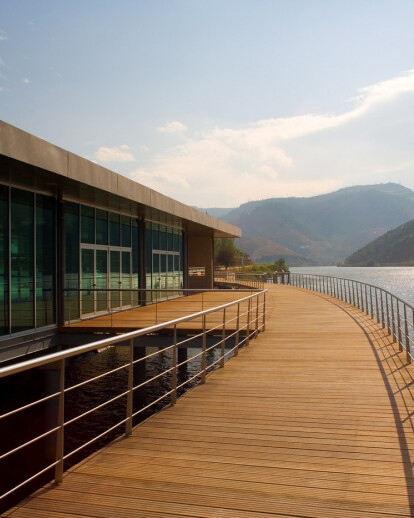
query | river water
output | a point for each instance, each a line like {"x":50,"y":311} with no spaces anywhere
{"x":398,"y":280}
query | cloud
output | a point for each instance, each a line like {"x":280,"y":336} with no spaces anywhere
{"x":3,"y":35}
{"x":301,"y":155}
{"x":114,"y":154}
{"x":173,"y":127}
{"x":26,"y":81}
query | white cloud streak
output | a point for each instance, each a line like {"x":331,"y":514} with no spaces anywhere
{"x":173,"y":127}
{"x":114,"y":154}
{"x":301,"y":155}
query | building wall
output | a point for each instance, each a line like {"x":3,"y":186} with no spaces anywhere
{"x":200,"y":253}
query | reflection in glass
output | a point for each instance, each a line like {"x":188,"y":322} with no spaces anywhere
{"x":126,"y":278}
{"x":71,"y":260}
{"x":101,"y":227}
{"x":87,"y":284}
{"x":115,"y":280}
{"x":125,"y":231}
{"x":22,"y":260}
{"x":87,"y":224}
{"x":114,"y":230}
{"x":45,"y":261}
{"x":4,"y":260}
{"x":101,"y":280}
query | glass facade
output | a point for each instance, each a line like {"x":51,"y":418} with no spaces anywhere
{"x":164,"y":258}
{"x":101,"y":255}
{"x":27,"y":260}
{"x":106,"y":266}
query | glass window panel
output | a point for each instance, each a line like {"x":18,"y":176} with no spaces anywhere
{"x":115,"y":279}
{"x":126,"y":278}
{"x":22,"y":260}
{"x":125,"y":231}
{"x":4,"y":260}
{"x":87,"y":224}
{"x":45,"y":261}
{"x":71,"y":302}
{"x":101,"y":227}
{"x":88,"y":283}
{"x":135,"y":261}
{"x":101,"y":279}
{"x":170,"y":275}
{"x":155,"y":238}
{"x":176,"y":241}
{"x":163,"y":238}
{"x":170,"y":245}
{"x":114,"y":230}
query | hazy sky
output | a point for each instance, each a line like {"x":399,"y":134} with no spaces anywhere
{"x":218,"y":102}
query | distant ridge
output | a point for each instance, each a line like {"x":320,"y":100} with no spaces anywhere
{"x":324,"y":229}
{"x":394,"y":248}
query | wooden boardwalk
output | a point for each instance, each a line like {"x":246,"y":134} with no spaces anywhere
{"x":312,"y":419}
{"x":146,"y":316}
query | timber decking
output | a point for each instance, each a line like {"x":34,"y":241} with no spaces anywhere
{"x":312,"y":419}
{"x":145,"y":316}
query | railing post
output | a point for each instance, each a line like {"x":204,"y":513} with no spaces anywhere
{"x":407,"y":338}
{"x":223,"y":339}
{"x":257,"y":316}
{"x":353,"y":293}
{"x":264,"y":312}
{"x":203,"y":355}
{"x":60,"y":434}
{"x":388,"y":313}
{"x":174,"y":368}
{"x":376,"y":305}
{"x":382,"y":310}
{"x":237,"y":338}
{"x":399,"y":328}
{"x":248,"y":322}
{"x":393,"y":319}
{"x":128,"y":423}
{"x":371,"y":300}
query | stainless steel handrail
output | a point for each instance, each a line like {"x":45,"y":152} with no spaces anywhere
{"x":247,"y":317}
{"x":387,"y":309}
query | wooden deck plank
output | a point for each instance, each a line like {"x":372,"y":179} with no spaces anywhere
{"x":314,"y":418}
{"x":146,"y":316}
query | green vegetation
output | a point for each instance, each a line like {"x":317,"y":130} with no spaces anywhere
{"x":227,"y":254}
{"x":278,"y":266}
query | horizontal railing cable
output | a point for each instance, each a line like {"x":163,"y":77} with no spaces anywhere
{"x":239,"y":321}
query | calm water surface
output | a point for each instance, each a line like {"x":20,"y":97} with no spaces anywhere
{"x":398,"y":280}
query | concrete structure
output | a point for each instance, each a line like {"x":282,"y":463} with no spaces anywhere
{"x":77,"y":239}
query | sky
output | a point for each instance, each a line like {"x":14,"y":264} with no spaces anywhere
{"x":218,"y":102}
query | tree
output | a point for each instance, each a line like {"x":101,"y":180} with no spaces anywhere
{"x":280,"y":266}
{"x":226,"y":254}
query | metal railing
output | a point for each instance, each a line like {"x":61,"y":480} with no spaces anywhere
{"x":248,"y":280}
{"x":393,"y":313}
{"x":83,"y":303}
{"x":230,"y":326}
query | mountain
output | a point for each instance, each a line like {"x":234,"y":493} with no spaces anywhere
{"x":263,"y":250}
{"x":216,"y":212}
{"x":327,"y":228}
{"x":394,"y":248}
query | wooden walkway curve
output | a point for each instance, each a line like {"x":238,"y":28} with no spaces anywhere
{"x":313,"y":419}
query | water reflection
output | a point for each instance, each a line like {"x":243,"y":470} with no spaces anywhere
{"x":23,"y":388}
{"x":397,"y":280}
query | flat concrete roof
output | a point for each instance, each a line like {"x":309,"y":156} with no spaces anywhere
{"x":24,"y":147}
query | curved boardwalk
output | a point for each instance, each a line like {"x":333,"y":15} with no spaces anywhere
{"x":313,"y":419}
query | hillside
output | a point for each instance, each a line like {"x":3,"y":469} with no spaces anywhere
{"x":263,"y":250}
{"x":327,"y":228}
{"x":394,"y":248}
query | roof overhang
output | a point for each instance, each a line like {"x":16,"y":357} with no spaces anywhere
{"x":75,"y":177}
